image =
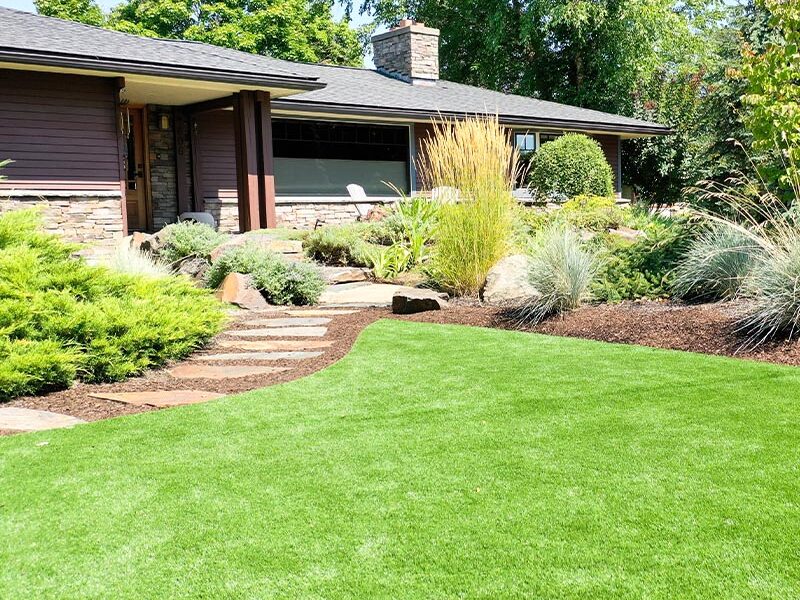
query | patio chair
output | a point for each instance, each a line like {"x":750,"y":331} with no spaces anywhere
{"x":198,"y":217}
{"x":360,"y":200}
{"x":445,"y":194}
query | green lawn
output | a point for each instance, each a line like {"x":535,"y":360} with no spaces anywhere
{"x":432,"y":462}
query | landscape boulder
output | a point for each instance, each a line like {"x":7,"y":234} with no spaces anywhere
{"x":333,"y":275}
{"x":151,"y":243}
{"x":414,"y":300}
{"x":627,"y":233}
{"x":238,"y":289}
{"x":192,"y":266}
{"x":507,"y":282}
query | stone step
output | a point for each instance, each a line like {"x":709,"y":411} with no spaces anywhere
{"x":200,"y":371}
{"x":159,"y":398}
{"x":280,"y":332}
{"x":267,"y":345}
{"x":289,"y":322}
{"x":13,"y":418}
{"x":259,"y":356}
{"x":318,"y":312}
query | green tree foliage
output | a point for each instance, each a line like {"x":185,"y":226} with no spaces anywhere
{"x":773,"y":85}
{"x":83,"y":11}
{"x":302,"y":30}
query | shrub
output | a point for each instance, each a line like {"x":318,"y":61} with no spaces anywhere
{"x":61,"y":318}
{"x":474,"y":156}
{"x":280,"y":281}
{"x":716,"y":263}
{"x":137,"y":262}
{"x":595,"y":213}
{"x":639,"y":268}
{"x":572,"y":165}
{"x":561,"y":270}
{"x":388,"y":262}
{"x":341,"y":244}
{"x":189,"y":239}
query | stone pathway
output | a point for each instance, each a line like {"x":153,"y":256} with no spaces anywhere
{"x":284,"y":337}
{"x":27,"y":419}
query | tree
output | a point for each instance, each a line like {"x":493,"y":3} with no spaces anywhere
{"x":302,"y":30}
{"x":83,"y":11}
{"x":773,"y":85}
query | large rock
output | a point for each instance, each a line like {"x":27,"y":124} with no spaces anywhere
{"x":238,"y":289}
{"x":262,"y":240}
{"x":343,"y":274}
{"x":192,"y":266}
{"x":411,"y":301}
{"x":627,"y":233}
{"x":153,"y":243}
{"x":507,"y":283}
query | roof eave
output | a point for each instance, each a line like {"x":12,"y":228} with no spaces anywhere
{"x":23,"y":57}
{"x":395,"y":113}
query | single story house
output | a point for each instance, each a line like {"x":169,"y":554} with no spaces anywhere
{"x":117,"y":133}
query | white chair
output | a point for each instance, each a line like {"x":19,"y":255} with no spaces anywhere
{"x":445,"y":194}
{"x":198,"y":217}
{"x":360,"y":200}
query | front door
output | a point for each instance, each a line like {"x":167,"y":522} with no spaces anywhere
{"x":135,"y":194}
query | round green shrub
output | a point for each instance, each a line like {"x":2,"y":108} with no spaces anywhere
{"x":572,"y":165}
{"x":189,"y":239}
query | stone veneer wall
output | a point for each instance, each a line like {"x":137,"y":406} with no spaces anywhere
{"x":163,"y":176}
{"x":225,"y":212}
{"x":94,"y":221}
{"x":305,"y":215}
{"x":409,"y":52}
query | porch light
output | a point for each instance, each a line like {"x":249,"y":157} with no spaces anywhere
{"x":164,"y":122}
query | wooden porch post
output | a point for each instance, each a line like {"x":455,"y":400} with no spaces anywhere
{"x":266,"y":165}
{"x":247,"y":167}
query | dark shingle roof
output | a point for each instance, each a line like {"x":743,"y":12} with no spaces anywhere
{"x":35,"y":39}
{"x":366,"y":90}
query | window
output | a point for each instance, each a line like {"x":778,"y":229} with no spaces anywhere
{"x":525,"y":142}
{"x":320,"y":158}
{"x":548,"y":137}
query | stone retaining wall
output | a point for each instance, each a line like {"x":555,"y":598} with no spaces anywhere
{"x":306,"y":215}
{"x":94,"y":221}
{"x":225,"y":212}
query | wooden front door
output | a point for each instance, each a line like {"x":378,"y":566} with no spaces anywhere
{"x":136,"y":188}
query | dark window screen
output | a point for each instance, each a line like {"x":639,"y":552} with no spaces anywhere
{"x":343,"y":141}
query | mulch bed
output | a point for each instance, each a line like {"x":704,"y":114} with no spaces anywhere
{"x":704,"y":328}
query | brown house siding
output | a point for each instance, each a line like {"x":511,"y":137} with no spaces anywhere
{"x":610,"y":146}
{"x":60,"y":130}
{"x":213,"y":144}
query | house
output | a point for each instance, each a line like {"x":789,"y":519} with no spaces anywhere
{"x":117,"y":133}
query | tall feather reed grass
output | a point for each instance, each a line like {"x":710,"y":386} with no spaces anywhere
{"x":476,"y":157}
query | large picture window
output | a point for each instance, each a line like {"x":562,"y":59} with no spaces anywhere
{"x":320,"y":158}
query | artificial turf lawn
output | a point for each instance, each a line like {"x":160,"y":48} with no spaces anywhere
{"x":432,"y":462}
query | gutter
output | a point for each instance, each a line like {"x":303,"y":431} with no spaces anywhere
{"x":24,"y":57}
{"x":399,"y":113}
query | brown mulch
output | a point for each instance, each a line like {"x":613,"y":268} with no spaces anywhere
{"x":704,"y":328}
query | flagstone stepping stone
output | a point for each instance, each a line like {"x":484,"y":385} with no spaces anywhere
{"x":280,"y":332}
{"x":313,"y":312}
{"x":361,"y":294}
{"x":13,"y":418}
{"x":266,"y":345}
{"x":199,"y":371}
{"x":290,"y":322}
{"x":259,"y":356}
{"x":160,"y":398}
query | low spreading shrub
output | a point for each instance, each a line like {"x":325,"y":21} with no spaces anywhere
{"x":343,"y":245}
{"x":189,"y":239}
{"x":61,"y":318}
{"x":716,"y":263}
{"x":642,"y":267}
{"x":281,"y":281}
{"x":561,"y":269}
{"x":594,"y":213}
{"x":570,"y":166}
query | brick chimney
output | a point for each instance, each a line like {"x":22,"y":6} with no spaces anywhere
{"x":409,"y":52}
